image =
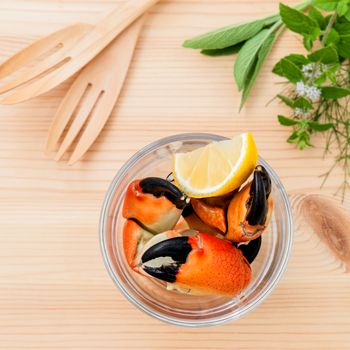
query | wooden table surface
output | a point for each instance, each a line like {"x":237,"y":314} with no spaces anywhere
{"x":54,"y":290}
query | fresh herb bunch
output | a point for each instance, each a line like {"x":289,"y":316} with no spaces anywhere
{"x":251,"y":40}
{"x":319,"y":82}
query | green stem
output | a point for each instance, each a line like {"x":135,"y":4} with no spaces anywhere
{"x":328,"y":28}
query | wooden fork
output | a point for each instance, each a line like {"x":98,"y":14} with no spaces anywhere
{"x":73,"y":52}
{"x":93,"y":95}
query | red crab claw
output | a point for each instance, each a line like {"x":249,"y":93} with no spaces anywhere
{"x":151,"y":205}
{"x":211,"y":213}
{"x":154,"y":203}
{"x":199,"y":264}
{"x":136,"y":240}
{"x":250,"y":210}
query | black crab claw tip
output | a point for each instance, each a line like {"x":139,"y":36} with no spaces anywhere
{"x":161,"y":187}
{"x":251,"y":249}
{"x":173,"y":250}
{"x":265,"y":178}
{"x":260,"y":190}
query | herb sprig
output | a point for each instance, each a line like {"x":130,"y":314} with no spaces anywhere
{"x":252,"y":41}
{"x":319,"y":83}
{"x":318,"y":90}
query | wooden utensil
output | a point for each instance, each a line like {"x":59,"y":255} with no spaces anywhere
{"x":55,"y":44}
{"x":56,"y":68}
{"x":95,"y":91}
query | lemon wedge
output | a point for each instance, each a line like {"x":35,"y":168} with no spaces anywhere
{"x":217,"y":168}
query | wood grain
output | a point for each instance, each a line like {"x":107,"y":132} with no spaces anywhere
{"x":54,"y":290}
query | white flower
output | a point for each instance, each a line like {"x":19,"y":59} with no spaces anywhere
{"x":313,"y":70}
{"x":300,"y":88}
{"x":311,"y":92}
{"x":300,"y":112}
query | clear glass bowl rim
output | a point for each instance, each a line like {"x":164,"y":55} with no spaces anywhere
{"x":103,"y":224}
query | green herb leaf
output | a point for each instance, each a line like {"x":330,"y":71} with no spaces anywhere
{"x":342,"y":7}
{"x":320,"y":127}
{"x":298,"y":22}
{"x":326,"y":55}
{"x":289,"y":102}
{"x":230,"y":35}
{"x":321,"y":79}
{"x":331,"y":72}
{"x":302,"y":103}
{"x":327,"y":5}
{"x":347,"y":15}
{"x":297,"y":59}
{"x":263,"y":52}
{"x":223,"y":52}
{"x":342,"y":28}
{"x":334,"y":92}
{"x":288,"y":69}
{"x":317,"y":17}
{"x":247,"y":56}
{"x":294,"y":137}
{"x":308,"y":42}
{"x":332,"y":37}
{"x":344,"y":47}
{"x":286,"y":121}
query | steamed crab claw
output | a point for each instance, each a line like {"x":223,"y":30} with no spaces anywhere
{"x":212,"y":212}
{"x":198,"y":264}
{"x":151,"y":206}
{"x":250,"y":210}
{"x":136,"y":240}
{"x":154,"y":203}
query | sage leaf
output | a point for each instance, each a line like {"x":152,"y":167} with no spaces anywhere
{"x":247,"y":56}
{"x":302,"y":103}
{"x":286,"y":121}
{"x":320,"y":127}
{"x":334,"y":92}
{"x":263,"y":53}
{"x":230,"y":50}
{"x":342,"y":7}
{"x":289,"y":102}
{"x":317,"y":17}
{"x":230,"y":35}
{"x":287,"y":69}
{"x":326,"y":55}
{"x":327,"y":5}
{"x":298,"y":22}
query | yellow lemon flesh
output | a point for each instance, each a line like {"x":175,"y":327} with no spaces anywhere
{"x":216,"y":169}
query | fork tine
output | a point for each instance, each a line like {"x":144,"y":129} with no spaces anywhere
{"x":38,"y":48}
{"x":64,"y":112}
{"x":120,"y":55}
{"x":98,"y":119}
{"x":85,"y":109}
{"x":51,"y":61}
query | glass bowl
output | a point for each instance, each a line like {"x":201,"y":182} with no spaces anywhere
{"x":151,"y":296}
